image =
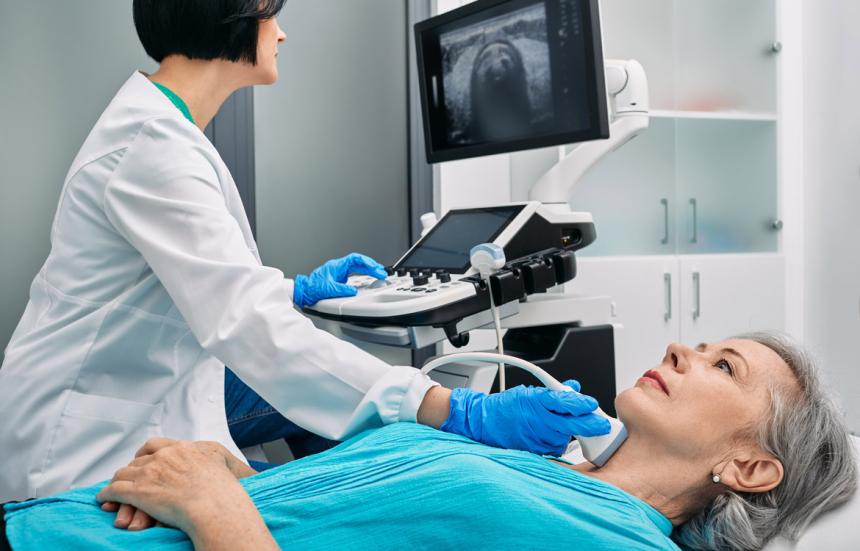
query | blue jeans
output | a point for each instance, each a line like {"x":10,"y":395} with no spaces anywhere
{"x":253,"y":421}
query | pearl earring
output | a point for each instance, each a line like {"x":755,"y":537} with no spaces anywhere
{"x":716,"y":479}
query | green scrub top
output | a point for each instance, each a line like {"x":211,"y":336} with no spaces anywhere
{"x":175,"y":100}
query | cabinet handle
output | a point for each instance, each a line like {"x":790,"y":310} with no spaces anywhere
{"x":667,"y":289}
{"x":695,"y":237}
{"x":665,"y":203}
{"x":697,"y":296}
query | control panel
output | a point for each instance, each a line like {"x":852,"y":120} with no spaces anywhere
{"x":433,"y":284}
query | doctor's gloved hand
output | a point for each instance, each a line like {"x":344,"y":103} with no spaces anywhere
{"x":329,"y":280}
{"x":538,"y":420}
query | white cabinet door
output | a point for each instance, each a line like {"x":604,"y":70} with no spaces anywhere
{"x":644,"y":291}
{"x":723,"y":295}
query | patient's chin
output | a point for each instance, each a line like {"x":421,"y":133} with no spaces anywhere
{"x":633,"y":405}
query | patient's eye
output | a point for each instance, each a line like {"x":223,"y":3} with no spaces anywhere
{"x":724,"y":365}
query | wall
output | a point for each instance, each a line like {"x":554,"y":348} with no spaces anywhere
{"x":60,"y":65}
{"x":331,"y":136}
{"x":832,"y":182}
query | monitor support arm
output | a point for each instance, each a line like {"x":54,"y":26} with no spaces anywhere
{"x":627,"y":87}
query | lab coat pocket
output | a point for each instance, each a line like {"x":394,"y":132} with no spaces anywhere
{"x":95,"y":435}
{"x":110,"y":409}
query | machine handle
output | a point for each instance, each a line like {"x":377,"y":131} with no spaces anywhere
{"x":665,"y":203}
{"x":667,"y":283}
{"x":695,"y":237}
{"x":697,"y":296}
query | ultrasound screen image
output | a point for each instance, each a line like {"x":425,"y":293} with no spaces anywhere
{"x":496,"y":78}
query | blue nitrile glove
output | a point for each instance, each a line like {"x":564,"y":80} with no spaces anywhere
{"x":538,"y":420}
{"x":329,"y":280}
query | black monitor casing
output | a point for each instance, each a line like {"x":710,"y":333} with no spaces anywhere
{"x":428,"y":55}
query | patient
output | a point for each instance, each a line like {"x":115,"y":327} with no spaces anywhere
{"x":731,"y":444}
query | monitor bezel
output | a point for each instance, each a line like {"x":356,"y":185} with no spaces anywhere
{"x":598,"y":129}
{"x":465,"y":268}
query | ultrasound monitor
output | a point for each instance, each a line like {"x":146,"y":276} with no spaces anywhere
{"x":504,"y":75}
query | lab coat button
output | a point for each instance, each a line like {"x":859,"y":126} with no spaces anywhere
{"x":211,"y":398}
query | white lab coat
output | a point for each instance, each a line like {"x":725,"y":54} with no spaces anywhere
{"x":152,"y":285}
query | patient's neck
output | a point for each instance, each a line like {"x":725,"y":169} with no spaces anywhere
{"x":676,"y":488}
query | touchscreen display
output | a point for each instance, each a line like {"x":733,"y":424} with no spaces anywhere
{"x":447,"y":245}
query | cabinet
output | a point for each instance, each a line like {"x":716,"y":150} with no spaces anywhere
{"x":683,"y":298}
{"x":705,"y":177}
{"x":687,"y":186}
{"x":724,"y":295}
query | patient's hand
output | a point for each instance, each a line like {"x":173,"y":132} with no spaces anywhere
{"x":236,"y":466}
{"x":131,"y":518}
{"x":191,"y":486}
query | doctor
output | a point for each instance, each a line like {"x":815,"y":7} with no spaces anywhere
{"x":154,"y":283}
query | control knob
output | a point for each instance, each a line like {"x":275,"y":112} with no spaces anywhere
{"x":443,"y":276}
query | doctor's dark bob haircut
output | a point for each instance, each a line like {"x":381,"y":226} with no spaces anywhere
{"x":202,"y":29}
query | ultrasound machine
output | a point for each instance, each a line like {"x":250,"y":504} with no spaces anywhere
{"x":500,"y":76}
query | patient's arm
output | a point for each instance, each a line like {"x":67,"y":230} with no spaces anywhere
{"x":192,"y":487}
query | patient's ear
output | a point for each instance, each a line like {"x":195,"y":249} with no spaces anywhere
{"x":753,"y":472}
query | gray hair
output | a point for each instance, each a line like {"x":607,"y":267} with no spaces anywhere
{"x":807,"y":433}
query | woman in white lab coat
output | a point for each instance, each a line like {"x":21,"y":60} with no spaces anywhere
{"x":154,"y":283}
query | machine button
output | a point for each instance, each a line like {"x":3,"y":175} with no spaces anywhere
{"x":414,"y":272}
{"x":443,"y":276}
{"x":419,"y":280}
{"x":538,"y":276}
{"x":389,"y":270}
{"x":418,"y":289}
{"x":564,"y":264}
{"x":507,"y":285}
{"x":432,"y":290}
{"x":401,"y":272}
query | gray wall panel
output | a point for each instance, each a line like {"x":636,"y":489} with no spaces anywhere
{"x":331,"y":136}
{"x":60,"y":64}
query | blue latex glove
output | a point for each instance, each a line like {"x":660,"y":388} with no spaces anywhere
{"x":538,"y":420}
{"x":329,"y":280}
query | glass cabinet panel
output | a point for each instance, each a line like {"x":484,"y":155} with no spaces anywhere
{"x":700,"y":55}
{"x":725,"y":55}
{"x":726,"y":186}
{"x":631,"y":194}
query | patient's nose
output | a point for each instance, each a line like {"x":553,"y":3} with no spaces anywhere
{"x":678,"y":356}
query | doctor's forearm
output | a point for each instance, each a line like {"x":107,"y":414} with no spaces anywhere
{"x":435,"y":407}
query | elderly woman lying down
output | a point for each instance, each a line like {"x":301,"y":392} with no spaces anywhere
{"x":730,"y":444}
